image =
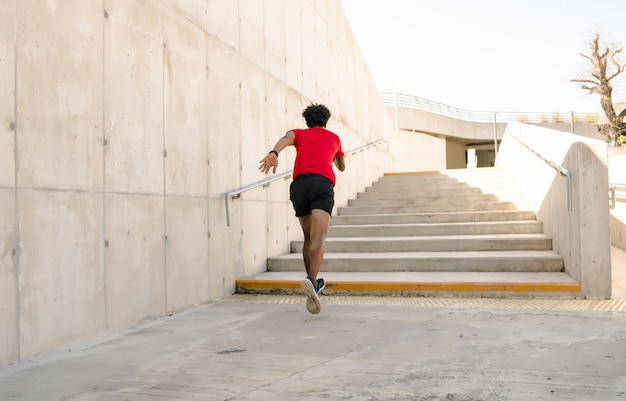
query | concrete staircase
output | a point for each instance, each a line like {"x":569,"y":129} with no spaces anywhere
{"x":454,"y":232}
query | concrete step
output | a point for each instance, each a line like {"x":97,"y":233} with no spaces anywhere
{"x":462,"y":261}
{"x":441,"y":243}
{"x":434,"y":179}
{"x":441,"y":217}
{"x":454,"y":232}
{"x":441,"y":189}
{"x":453,"y":174}
{"x":406,"y":192}
{"x":521,"y":284}
{"x":443,"y":207}
{"x":427,"y":200}
{"x":463,"y":228}
{"x":444,"y":182}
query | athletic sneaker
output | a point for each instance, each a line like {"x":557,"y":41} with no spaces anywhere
{"x":320,"y":285}
{"x":312,"y":301}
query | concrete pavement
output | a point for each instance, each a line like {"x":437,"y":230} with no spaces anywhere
{"x":257,"y":351}
{"x":261,"y":347}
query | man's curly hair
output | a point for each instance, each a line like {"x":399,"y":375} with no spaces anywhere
{"x":316,"y":115}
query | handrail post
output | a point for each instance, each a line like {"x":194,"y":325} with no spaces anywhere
{"x":613,"y":198}
{"x":495,"y":136}
{"x":396,"y":114}
{"x":227,"y":197}
{"x":569,"y":191}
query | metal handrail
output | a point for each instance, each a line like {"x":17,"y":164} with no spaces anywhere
{"x":235,"y":194}
{"x":612,"y":197}
{"x":562,"y":170}
{"x":615,"y":193}
{"x":416,"y":102}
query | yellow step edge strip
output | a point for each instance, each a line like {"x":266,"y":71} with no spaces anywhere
{"x":422,"y":286}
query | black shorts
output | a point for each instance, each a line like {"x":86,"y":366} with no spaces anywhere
{"x":311,"y":191}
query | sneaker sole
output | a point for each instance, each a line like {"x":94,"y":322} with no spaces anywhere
{"x":312,"y":301}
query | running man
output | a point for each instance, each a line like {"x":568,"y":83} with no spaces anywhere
{"x":311,"y":191}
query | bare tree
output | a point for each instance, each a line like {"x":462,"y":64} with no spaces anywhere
{"x":604,"y":67}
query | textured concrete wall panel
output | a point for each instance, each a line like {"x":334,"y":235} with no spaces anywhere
{"x":275,"y":56}
{"x":255,"y":236}
{"x":61,"y":274}
{"x":135,"y":271}
{"x":223,"y":118}
{"x":186,"y":248}
{"x":223,"y":21}
{"x":327,"y":11}
{"x":223,"y":114}
{"x":251,"y":27}
{"x":275,"y":125}
{"x":133,"y":80}
{"x":347,"y":114}
{"x":595,"y":221}
{"x":293,"y":45}
{"x":252,"y":112}
{"x":186,"y":163}
{"x":278,"y":242}
{"x":7,"y":93}
{"x":224,"y":270}
{"x":8,"y":279}
{"x":333,"y":84}
{"x":322,"y":64}
{"x":308,"y":51}
{"x":194,"y":11}
{"x":59,"y":96}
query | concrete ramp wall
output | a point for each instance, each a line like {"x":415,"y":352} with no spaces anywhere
{"x":580,"y":235}
{"x":122,"y":126}
{"x":617,"y":177}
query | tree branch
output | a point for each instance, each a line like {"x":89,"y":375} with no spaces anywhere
{"x":584,"y":80}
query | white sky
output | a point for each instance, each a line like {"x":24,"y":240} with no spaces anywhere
{"x":491,"y":55}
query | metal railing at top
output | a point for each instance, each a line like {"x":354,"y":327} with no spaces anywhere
{"x":415,"y":102}
{"x":560,"y":169}
{"x":235,"y":194}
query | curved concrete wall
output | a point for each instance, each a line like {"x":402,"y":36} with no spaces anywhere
{"x":580,"y":235}
{"x":459,"y":135}
{"x":617,"y":176}
{"x":122,"y":125}
{"x":438,"y":124}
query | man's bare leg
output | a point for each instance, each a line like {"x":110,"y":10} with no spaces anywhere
{"x":315,"y":228}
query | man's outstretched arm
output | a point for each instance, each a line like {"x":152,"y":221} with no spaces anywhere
{"x":340,"y":163}
{"x":271,"y":160}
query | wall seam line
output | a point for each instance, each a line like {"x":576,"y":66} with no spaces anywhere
{"x":18,"y":242}
{"x":104,"y":170}
{"x":164,"y":71}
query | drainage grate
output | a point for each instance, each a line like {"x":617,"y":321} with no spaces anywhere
{"x":527,"y":304}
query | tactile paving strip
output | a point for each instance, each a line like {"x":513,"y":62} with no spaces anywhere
{"x":527,"y":304}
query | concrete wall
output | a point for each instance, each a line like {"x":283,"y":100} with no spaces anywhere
{"x":455,"y":154}
{"x":581,"y":235}
{"x":617,"y":175}
{"x":418,"y":152}
{"x":122,"y":125}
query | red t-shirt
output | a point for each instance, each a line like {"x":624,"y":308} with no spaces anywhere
{"x":315,"y":150}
